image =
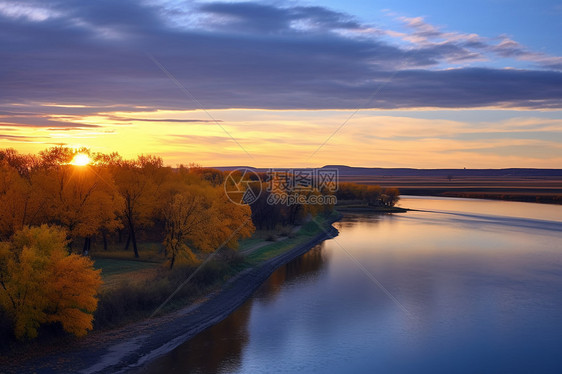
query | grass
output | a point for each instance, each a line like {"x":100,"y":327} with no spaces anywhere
{"x":133,"y":288}
{"x":249,"y":243}
{"x":121,"y":269}
{"x":116,"y":272}
{"x":306,"y":232}
{"x":148,"y":252}
{"x":111,"y":267}
{"x":136,"y":294}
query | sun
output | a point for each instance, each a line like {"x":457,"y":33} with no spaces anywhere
{"x":81,"y":159}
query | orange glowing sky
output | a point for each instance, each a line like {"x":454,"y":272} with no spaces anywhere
{"x":263,"y":138}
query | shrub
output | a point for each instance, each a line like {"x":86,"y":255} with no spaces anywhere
{"x":41,"y":283}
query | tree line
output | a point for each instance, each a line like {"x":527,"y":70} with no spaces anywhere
{"x":51,"y":210}
{"x":113,"y":197}
{"x":373,"y":195}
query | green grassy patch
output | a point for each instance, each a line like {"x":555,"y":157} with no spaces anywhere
{"x":111,"y":267}
{"x":148,"y":251}
{"x":306,"y":232}
{"x":117,"y":272}
{"x":249,"y":243}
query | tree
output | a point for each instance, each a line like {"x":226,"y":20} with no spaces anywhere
{"x":18,"y":205}
{"x":24,"y":164}
{"x":265,"y":215}
{"x":214,"y":176}
{"x":138,"y":188}
{"x":187,"y":218}
{"x":56,"y":156}
{"x":200,"y":219}
{"x":390,"y":197}
{"x":231,"y":222}
{"x":41,"y":283}
{"x":49,"y":189}
{"x":372,"y":194}
{"x":83,"y":199}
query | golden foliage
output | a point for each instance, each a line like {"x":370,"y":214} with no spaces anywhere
{"x":138,"y":183}
{"x":373,"y":195}
{"x":83,"y":200}
{"x":33,"y":191}
{"x":202,"y":218}
{"x":40,"y":282}
{"x":112,"y":193}
{"x":16,"y":201}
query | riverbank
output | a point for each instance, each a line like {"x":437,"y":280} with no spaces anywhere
{"x":131,"y":346}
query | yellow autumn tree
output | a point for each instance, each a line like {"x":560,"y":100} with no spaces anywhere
{"x":231,"y":222}
{"x":14,"y":196}
{"x":41,"y":283}
{"x":187,"y":218}
{"x":19,"y":205}
{"x":82,"y":199}
{"x":200,"y":219}
{"x":390,"y":196}
{"x":138,"y":183}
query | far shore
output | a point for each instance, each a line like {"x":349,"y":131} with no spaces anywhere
{"x":547,"y":190}
{"x":134,"y":345}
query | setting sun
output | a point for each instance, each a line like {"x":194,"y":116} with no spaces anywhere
{"x":81,"y":159}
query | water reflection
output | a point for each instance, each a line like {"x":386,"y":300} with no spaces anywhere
{"x":211,"y":350}
{"x":302,"y":269}
{"x":514,"y":209}
{"x":352,"y":218}
{"x":484,"y":292}
{"x":219,"y":348}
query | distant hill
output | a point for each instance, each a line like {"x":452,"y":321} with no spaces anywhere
{"x":410,"y":172}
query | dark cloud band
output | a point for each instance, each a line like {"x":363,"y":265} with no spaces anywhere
{"x":241,"y":55}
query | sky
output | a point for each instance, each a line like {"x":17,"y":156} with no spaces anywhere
{"x":401,"y":83}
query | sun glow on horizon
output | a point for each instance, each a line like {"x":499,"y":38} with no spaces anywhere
{"x":436,"y":139}
{"x":81,"y":159}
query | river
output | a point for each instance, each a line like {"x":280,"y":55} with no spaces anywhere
{"x":459,"y":286}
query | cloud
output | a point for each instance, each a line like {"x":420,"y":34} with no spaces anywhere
{"x":35,"y":13}
{"x":254,"y":17}
{"x":250,"y":55}
{"x":462,"y":46}
{"x":45,"y":122}
{"x":510,"y":48}
{"x":155,"y":120}
{"x":197,"y":140}
{"x":19,"y":138}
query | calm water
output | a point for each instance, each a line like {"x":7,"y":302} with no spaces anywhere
{"x":477,"y":288}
